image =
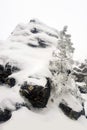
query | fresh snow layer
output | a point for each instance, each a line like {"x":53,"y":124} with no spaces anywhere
{"x":33,"y":61}
{"x":53,"y":119}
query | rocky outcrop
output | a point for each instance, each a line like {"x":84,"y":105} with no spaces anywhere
{"x":5,"y":72}
{"x":30,"y":46}
{"x":37,"y":95}
{"x":70,"y":112}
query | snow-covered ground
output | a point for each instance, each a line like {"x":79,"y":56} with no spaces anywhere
{"x":22,"y":50}
{"x":52,"y":119}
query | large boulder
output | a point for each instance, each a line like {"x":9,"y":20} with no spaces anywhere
{"x":5,"y":115}
{"x":37,"y":95}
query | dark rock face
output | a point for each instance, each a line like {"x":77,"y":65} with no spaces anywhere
{"x":5,"y":115}
{"x":40,"y":44}
{"x":70,"y":112}
{"x":84,"y":70}
{"x":15,"y":69}
{"x":37,"y":95}
{"x":34,"y":30}
{"x":1,"y":69}
{"x":32,"y":45}
{"x":79,"y":77}
{"x":83,"y":89}
{"x":77,"y":69}
{"x":5,"y":72}
{"x":33,"y":20}
{"x":10,"y":81}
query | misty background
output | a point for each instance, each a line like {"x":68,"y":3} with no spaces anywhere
{"x":55,"y":13}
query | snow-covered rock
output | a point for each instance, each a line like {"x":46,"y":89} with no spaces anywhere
{"x":36,"y":72}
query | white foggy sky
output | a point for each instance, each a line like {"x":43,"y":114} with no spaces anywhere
{"x":55,"y":13}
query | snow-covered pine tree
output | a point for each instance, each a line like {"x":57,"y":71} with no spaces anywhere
{"x":61,"y":67}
